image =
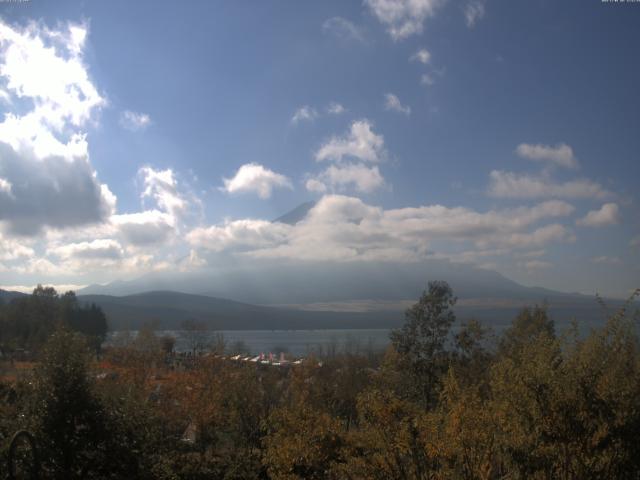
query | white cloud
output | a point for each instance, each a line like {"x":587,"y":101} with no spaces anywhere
{"x":512,"y":185}
{"x":304,"y":114}
{"x":253,"y":177}
{"x":345,"y":228}
{"x":361,"y":177}
{"x":403,"y":18}
{"x":315,"y":185}
{"x":423,"y":56}
{"x":45,"y":156}
{"x":144,"y":228}
{"x":608,"y":214}
{"x":5,"y":186}
{"x":335,"y":108}
{"x":560,"y":155}
{"x":392,"y":102}
{"x":343,"y":28}
{"x":11,"y":249}
{"x":5,"y":97}
{"x":606,"y":260}
{"x":540,"y":237}
{"x":237,"y":234}
{"x":41,"y":267}
{"x":103,"y":249}
{"x":134,"y":121}
{"x":162,"y":186}
{"x":473,"y":12}
{"x":47,"y":66}
{"x":360,"y":142}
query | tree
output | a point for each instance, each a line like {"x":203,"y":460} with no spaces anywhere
{"x":194,"y":334}
{"x":421,"y":341}
{"x":526,"y":328}
{"x":68,"y":419}
{"x":303,"y":443}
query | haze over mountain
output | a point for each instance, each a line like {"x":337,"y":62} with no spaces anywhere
{"x":285,"y":283}
{"x":169,"y":309}
{"x":411,"y":133}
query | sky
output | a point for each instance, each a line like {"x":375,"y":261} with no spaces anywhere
{"x":141,"y":137}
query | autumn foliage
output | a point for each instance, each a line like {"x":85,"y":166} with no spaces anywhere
{"x":445,"y":401}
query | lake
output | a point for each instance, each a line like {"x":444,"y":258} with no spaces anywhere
{"x":295,"y":342}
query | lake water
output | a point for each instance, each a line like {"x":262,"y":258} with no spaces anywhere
{"x":304,"y":342}
{"x":296,"y":342}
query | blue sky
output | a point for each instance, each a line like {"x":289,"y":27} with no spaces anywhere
{"x":497,"y":133}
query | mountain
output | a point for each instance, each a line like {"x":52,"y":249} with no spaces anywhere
{"x":322,"y":293}
{"x":7,"y":296}
{"x":297,"y":214}
{"x":287,"y":283}
{"x":167,"y":310}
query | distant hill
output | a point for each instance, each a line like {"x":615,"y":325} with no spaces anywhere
{"x":167,"y":310}
{"x":285,"y":283}
{"x":317,"y":294}
{"x":297,"y":214}
{"x":7,"y":296}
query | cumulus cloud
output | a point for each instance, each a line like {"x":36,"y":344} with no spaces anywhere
{"x":47,"y":66}
{"x":47,"y":177}
{"x":316,"y":186}
{"x":350,"y":154}
{"x":11,"y":249}
{"x":608,"y":214}
{"x":134,"y":121}
{"x":473,"y":12}
{"x":422,"y":56}
{"x":144,"y":228}
{"x":361,"y":177}
{"x":343,"y":28}
{"x":162,"y":187}
{"x":560,"y":155}
{"x":52,"y":191}
{"x":253,"y":177}
{"x":238,"y":234}
{"x":403,"y":18}
{"x":540,"y":237}
{"x":512,"y":185}
{"x":360,"y":143}
{"x":392,"y":103}
{"x":304,"y":114}
{"x":341,"y":227}
{"x":102,"y":249}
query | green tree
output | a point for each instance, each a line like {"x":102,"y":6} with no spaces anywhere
{"x":68,"y":419}
{"x":421,"y":341}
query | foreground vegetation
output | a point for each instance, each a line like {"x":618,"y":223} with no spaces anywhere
{"x":436,"y":405}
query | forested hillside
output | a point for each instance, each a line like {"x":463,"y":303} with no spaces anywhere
{"x":534,"y":402}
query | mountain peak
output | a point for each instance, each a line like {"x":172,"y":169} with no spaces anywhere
{"x":296,"y":215}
